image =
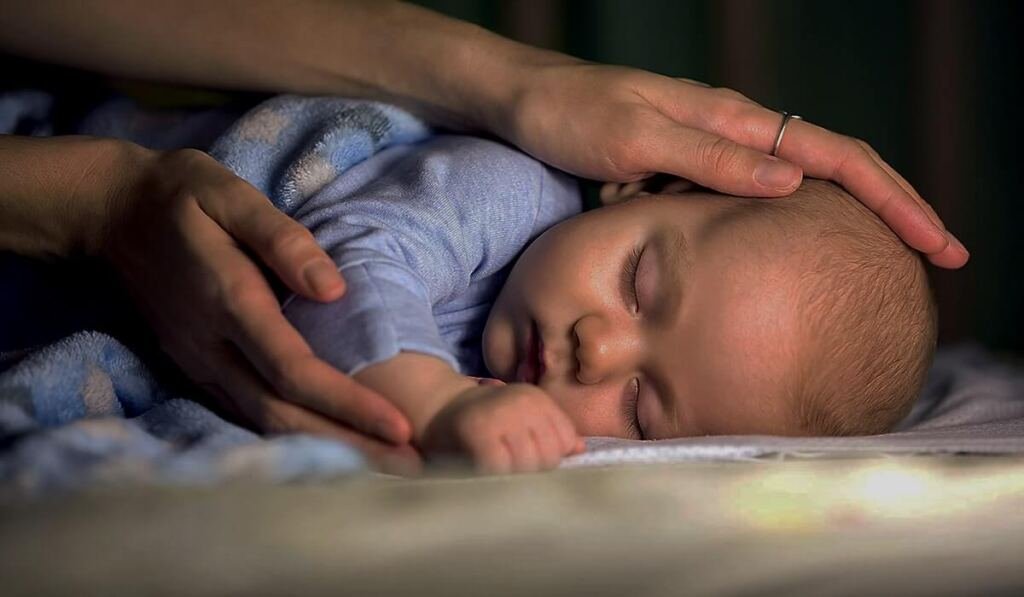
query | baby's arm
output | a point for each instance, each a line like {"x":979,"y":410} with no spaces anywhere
{"x":502,"y":428}
{"x":412,"y":228}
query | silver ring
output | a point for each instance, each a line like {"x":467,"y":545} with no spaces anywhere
{"x":786,"y":116}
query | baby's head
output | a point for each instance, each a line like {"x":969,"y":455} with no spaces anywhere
{"x":687,"y":314}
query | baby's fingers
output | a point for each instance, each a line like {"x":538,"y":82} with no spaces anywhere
{"x":549,"y":447}
{"x":526,"y":456}
{"x":491,"y":456}
{"x":564,"y":432}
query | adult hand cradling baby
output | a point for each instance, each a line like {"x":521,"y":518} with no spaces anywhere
{"x":182,"y":216}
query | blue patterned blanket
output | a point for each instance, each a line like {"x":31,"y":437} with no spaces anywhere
{"x":85,"y":411}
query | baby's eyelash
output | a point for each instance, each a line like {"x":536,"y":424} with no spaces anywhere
{"x":630,"y":411}
{"x":629,"y":276}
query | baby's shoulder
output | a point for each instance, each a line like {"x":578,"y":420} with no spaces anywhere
{"x":477,"y":158}
{"x":498,"y":179}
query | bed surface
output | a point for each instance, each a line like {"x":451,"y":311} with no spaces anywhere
{"x":936,"y":525}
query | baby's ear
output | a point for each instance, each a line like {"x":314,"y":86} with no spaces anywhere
{"x":617,"y":192}
{"x":677,"y":186}
{"x":662,"y":184}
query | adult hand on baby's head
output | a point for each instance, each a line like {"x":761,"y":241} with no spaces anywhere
{"x":622,"y":125}
{"x":504,"y":429}
{"x":178,"y":233}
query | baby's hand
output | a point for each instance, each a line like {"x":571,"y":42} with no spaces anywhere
{"x":504,"y":428}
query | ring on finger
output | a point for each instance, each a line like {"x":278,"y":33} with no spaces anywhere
{"x":786,"y":117}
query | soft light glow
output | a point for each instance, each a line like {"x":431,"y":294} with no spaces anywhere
{"x":893,"y":488}
{"x":798,"y":498}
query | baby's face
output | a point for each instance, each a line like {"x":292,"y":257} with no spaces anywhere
{"x":665,"y":316}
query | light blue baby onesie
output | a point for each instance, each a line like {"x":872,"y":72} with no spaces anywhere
{"x":424,"y":235}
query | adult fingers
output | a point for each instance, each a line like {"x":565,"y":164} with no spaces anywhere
{"x":955,"y":255}
{"x":258,"y":328}
{"x":283,"y":244}
{"x":821,"y":154}
{"x":904,"y":184}
{"x":692,"y":82}
{"x":393,"y":459}
{"x":244,"y":393}
{"x":824,"y":154}
{"x":711,"y":161}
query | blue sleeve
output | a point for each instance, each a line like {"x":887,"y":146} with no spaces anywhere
{"x":412,"y":227}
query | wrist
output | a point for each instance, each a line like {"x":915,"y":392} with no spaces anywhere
{"x":420,"y":385}
{"x":104,"y":189}
{"x":500,"y":79}
{"x":452,"y":73}
{"x":447,"y":392}
{"x":56,"y":192}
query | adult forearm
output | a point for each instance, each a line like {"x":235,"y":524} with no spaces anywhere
{"x":449,"y":71}
{"x":54,"y":192}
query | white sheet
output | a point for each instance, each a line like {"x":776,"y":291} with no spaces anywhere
{"x":972,"y":403}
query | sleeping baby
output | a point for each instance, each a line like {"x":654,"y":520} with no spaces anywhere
{"x":507,"y":323}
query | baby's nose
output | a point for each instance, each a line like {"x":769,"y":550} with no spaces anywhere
{"x":604,"y":349}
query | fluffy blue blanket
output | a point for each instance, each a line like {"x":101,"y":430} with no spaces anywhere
{"x":85,"y":410}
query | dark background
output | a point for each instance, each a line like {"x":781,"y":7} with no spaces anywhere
{"x":934,"y":86}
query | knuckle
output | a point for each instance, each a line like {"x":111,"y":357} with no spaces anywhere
{"x":854,"y":150}
{"x":287,"y":375}
{"x":276,"y":421}
{"x":861,"y":147}
{"x":718,"y":154}
{"x":550,"y":459}
{"x":727,"y":112}
{"x":489,"y":457}
{"x":870,"y":151}
{"x":287,"y":239}
{"x":186,"y":156}
{"x":628,"y":142}
{"x":180,"y":208}
{"x":731,"y":94}
{"x":240,"y":298}
{"x":230,"y":187}
{"x":471,"y":425}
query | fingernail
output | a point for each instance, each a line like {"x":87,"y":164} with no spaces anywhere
{"x":323,"y":277}
{"x":956,"y":243}
{"x":776,"y":174}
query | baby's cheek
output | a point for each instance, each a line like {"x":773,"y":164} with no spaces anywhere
{"x":499,"y":347}
{"x":594,"y":411}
